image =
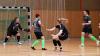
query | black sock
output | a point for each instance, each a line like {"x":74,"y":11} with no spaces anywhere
{"x":55,"y":42}
{"x":58,"y":42}
{"x":18,"y":38}
{"x":28,"y":36}
{"x":6,"y":39}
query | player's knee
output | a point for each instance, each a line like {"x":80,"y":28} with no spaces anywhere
{"x":90,"y":35}
{"x":8,"y":36}
{"x":18,"y":34}
{"x":99,"y":37}
{"x":42,"y":37}
{"x":56,"y":38}
{"x":82,"y":34}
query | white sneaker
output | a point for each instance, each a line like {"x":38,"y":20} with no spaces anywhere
{"x":4,"y":43}
{"x":82,"y":45}
{"x":19,"y":43}
{"x":97,"y":42}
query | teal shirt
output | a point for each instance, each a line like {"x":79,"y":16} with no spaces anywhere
{"x":37,"y":27}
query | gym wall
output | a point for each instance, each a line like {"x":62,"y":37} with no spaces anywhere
{"x":50,"y":10}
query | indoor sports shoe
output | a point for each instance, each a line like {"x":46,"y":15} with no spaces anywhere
{"x":44,"y":49}
{"x":82,"y":45}
{"x":4,"y":43}
{"x":97,"y":42}
{"x":19,"y":43}
{"x":33,"y":48}
{"x":60,"y":49}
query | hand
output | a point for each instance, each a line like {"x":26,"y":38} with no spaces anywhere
{"x":42,"y":25}
{"x":27,"y":30}
{"x":54,"y":35}
{"x":83,"y":24}
{"x":99,"y":27}
{"x":22,"y":29}
{"x":48,"y":29}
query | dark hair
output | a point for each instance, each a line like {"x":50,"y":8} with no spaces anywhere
{"x":14,"y":20}
{"x":87,"y":11}
{"x":37,"y":15}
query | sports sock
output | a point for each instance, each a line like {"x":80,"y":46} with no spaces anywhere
{"x":35,"y":43}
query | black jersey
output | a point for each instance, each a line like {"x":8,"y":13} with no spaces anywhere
{"x":64,"y":34}
{"x":14,"y":27}
{"x":86,"y":20}
{"x":62,"y":27}
{"x":87,"y":28}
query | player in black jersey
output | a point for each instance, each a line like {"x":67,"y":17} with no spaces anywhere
{"x":87,"y":28}
{"x":61,"y":35}
{"x":13,"y":30}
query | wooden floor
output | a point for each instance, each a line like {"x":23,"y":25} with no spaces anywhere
{"x":71,"y":47}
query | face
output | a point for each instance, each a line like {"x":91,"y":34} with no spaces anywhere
{"x":17,"y":20}
{"x":85,"y":13}
{"x":39,"y":17}
{"x":58,"y":21}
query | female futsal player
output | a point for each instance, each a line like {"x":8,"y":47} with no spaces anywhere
{"x":38,"y":33}
{"x":13,"y":30}
{"x":61,"y":35}
{"x":87,"y":28}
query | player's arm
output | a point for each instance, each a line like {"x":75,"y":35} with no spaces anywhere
{"x":20,"y":27}
{"x":63,"y":19}
{"x":51,"y":29}
{"x":89,"y":22}
{"x":39,"y":22}
{"x":99,"y":25}
{"x":60,"y":32}
{"x":32,"y":26}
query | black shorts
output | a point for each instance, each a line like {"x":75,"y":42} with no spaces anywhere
{"x":87,"y":30}
{"x":63,"y":37}
{"x":10,"y":33}
{"x":38,"y":35}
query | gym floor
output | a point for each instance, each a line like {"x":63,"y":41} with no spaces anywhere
{"x":71,"y":47}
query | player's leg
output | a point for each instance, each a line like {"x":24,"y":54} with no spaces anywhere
{"x":6,"y":39}
{"x":18,"y":38}
{"x":43,"y":42}
{"x":82,"y":39}
{"x":93,"y":38}
{"x":59,"y":44}
{"x":35,"y":42}
{"x":9,"y":34}
{"x":56,"y":42}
